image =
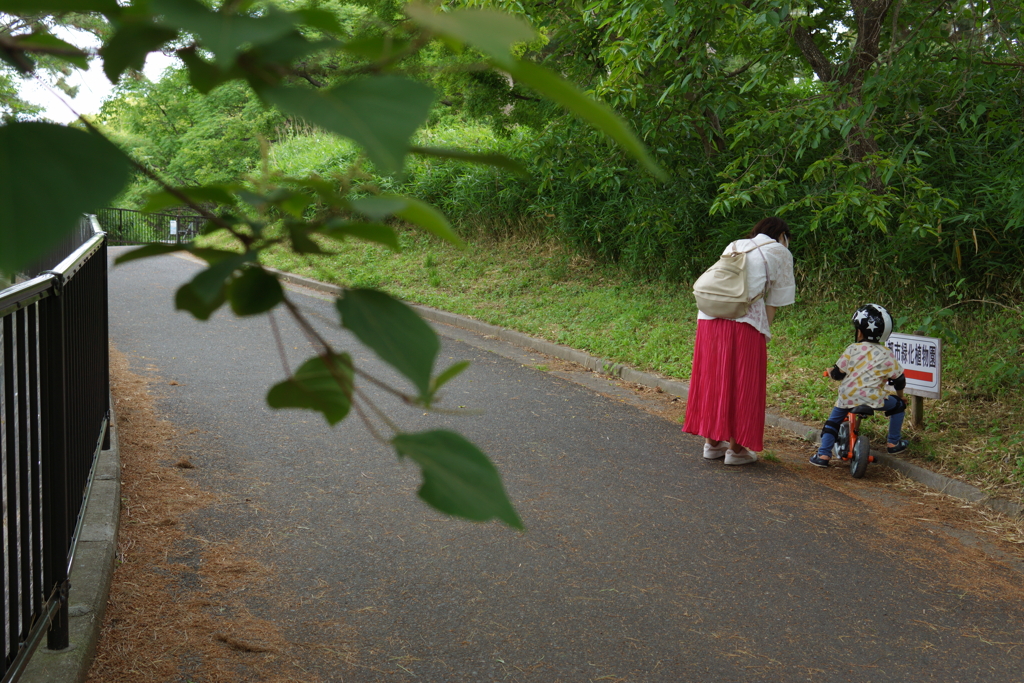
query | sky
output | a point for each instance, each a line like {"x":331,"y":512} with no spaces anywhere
{"x":93,"y":89}
{"x":93,"y":86}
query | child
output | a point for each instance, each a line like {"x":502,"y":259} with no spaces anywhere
{"x":864,"y":369}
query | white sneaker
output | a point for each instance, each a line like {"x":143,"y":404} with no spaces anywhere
{"x":714,"y":452}
{"x":744,"y":457}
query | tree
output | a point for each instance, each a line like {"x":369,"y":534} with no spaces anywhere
{"x":48,"y":57}
{"x":889,"y":128}
{"x":277,"y":51}
{"x":183,"y":136}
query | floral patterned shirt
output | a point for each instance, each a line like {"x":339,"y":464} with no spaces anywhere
{"x":867,"y":366}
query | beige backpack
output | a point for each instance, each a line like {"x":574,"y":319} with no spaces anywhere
{"x":721,"y":291}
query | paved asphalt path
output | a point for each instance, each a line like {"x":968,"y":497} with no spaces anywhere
{"x":641,"y":561}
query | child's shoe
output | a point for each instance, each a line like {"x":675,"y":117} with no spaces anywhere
{"x":819,"y":461}
{"x":743,"y":457}
{"x":715,"y":452}
{"x":897,"y":447}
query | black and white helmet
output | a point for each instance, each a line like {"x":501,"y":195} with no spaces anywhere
{"x":874,"y":321}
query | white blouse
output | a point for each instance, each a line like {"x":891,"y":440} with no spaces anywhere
{"x":781,"y":283}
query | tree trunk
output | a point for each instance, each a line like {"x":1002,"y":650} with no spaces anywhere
{"x":870,"y":17}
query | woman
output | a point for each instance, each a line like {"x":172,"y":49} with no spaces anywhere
{"x":730,"y":357}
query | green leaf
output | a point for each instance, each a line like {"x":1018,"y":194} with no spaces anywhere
{"x":453,"y":371}
{"x":46,"y":42}
{"x":209,"y":285}
{"x":409,"y":209}
{"x":284,"y":51}
{"x":43,"y":189}
{"x":315,"y":387}
{"x":20,"y":61}
{"x":394,"y":331}
{"x":596,"y":113}
{"x":369,"y":232}
{"x":53,"y":6}
{"x":187,"y":299}
{"x":217,"y":194}
{"x":379,"y":113}
{"x":225,"y":33}
{"x":211,"y":255}
{"x":375,"y":48}
{"x":290,"y":201}
{"x":458,"y":479}
{"x":129,"y":46}
{"x":293,"y":203}
{"x":430,"y":219}
{"x":298,"y":233}
{"x":489,"y":31}
{"x":498,"y":160}
{"x":203,"y":76}
{"x":148,"y":251}
{"x":254,"y":291}
{"x":257,"y":201}
{"x":322,"y":20}
{"x":378,"y":207}
{"x":326,"y":190}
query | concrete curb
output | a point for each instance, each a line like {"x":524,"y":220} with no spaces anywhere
{"x":91,"y":574}
{"x":939,"y":482}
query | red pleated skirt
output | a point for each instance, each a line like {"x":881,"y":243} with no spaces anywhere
{"x":727,"y":385}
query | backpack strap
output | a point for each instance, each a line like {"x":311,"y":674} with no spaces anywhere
{"x":766,"y":278}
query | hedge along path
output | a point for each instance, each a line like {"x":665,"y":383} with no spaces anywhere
{"x":176,"y":608}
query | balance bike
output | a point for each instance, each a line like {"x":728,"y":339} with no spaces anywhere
{"x":851,"y":446}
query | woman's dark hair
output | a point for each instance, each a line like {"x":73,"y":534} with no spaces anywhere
{"x":772,"y":226}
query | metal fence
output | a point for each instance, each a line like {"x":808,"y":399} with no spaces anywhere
{"x":126,"y":226}
{"x":78,"y":236}
{"x":54,"y":415}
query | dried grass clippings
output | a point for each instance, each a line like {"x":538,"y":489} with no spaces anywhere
{"x":169,"y":618}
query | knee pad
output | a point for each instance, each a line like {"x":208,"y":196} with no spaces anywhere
{"x":900,"y":408}
{"x":831,"y":428}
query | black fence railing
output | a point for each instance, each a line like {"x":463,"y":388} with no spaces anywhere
{"x":54,"y":419}
{"x":81,"y":234}
{"x":127,"y":226}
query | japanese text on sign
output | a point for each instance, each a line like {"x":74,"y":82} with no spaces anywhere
{"x":921,"y":358}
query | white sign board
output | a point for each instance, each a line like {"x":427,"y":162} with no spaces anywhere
{"x":174,"y":227}
{"x":921,"y":358}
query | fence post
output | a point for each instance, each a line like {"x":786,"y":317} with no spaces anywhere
{"x":104,"y":339}
{"x":12,"y":371}
{"x":54,"y":463}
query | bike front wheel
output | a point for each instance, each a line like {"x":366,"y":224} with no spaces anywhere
{"x":861,"y":451}
{"x":842,"y":441}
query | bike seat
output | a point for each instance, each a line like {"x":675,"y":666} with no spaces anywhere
{"x":863,"y":410}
